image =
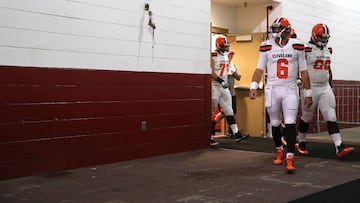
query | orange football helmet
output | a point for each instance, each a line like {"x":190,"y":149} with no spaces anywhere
{"x":320,"y":35}
{"x":280,"y":28}
{"x":222,"y":44}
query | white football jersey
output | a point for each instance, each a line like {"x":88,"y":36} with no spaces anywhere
{"x":318,"y":63}
{"x":282,"y":63}
{"x":221,"y":65}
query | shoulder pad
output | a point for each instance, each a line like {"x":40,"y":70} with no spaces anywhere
{"x":298,"y":46}
{"x":265,"y":47}
{"x":214,"y":54}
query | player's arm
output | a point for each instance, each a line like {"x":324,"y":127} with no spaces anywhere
{"x":306,"y":83}
{"x":330,"y":77}
{"x":330,"y":72}
{"x":255,"y":83}
{"x":261,"y":65}
{"x":213,"y":74}
{"x":236,"y":73}
{"x":237,"y":76}
{"x":305,"y":78}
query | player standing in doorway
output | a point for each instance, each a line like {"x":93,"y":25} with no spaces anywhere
{"x":233,"y":75}
{"x":220,"y":88}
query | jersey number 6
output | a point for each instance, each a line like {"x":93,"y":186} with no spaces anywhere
{"x":282,"y":68}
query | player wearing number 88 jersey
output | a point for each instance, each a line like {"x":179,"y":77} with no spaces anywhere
{"x":318,"y":63}
{"x":318,"y":59}
{"x":283,"y":58}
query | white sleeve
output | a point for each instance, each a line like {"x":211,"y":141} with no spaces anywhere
{"x":262,"y":62}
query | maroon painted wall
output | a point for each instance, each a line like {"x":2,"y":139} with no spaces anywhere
{"x":56,"y":119}
{"x":340,"y":94}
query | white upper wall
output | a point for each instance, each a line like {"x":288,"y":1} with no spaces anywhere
{"x":240,"y":19}
{"x":253,"y":18}
{"x":343,"y":21}
{"x":106,"y":34}
{"x":224,"y":17}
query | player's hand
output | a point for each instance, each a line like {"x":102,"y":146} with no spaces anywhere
{"x":300,"y":83}
{"x":308,"y":102}
{"x":253,"y":94}
{"x":232,"y":70}
{"x":224,"y":84}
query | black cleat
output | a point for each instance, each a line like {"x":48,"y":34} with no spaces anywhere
{"x":213,"y":143}
{"x":240,"y":137}
{"x":301,"y":148}
{"x":213,"y":124}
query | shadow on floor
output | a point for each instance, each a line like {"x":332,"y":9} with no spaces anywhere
{"x":347,"y":192}
{"x":259,"y":144}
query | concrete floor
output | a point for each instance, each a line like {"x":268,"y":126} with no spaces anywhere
{"x":208,"y":175}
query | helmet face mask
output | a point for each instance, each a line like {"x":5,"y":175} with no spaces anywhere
{"x":280,"y":29}
{"x":322,"y":41}
{"x":320,"y":35}
{"x":222,"y":44}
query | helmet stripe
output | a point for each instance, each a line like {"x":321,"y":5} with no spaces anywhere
{"x":326,"y":30}
{"x":278,"y":20}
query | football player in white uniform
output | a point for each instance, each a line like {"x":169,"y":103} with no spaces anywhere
{"x":233,"y":75}
{"x":292,"y":35}
{"x":283,"y":58}
{"x":220,"y":88}
{"x":318,"y":59}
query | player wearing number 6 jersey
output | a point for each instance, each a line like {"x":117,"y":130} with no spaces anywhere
{"x":318,"y":59}
{"x":283,"y":58}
